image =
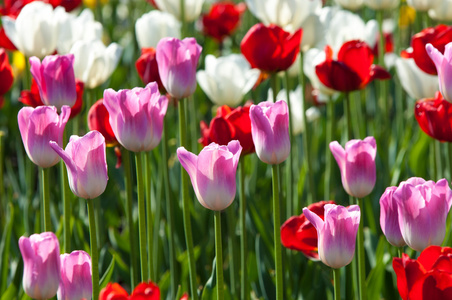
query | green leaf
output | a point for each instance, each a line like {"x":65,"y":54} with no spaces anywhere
{"x":5,"y":249}
{"x":107,"y":275}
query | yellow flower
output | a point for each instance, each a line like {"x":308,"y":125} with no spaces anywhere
{"x":92,"y":3}
{"x":18,"y":63}
{"x":407,"y":15}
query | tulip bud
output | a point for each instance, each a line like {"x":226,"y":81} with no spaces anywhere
{"x":76,"y":282}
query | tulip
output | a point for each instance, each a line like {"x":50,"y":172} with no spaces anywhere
{"x":161,"y":24}
{"x":227,"y":79}
{"x":145,"y":290}
{"x":41,"y":255}
{"x":136,"y":116}
{"x":5,"y":41}
{"x":222,"y":19}
{"x":389,"y":218}
{"x":270,"y":131}
{"x":192,"y":8}
{"x":443,"y":65}
{"x":297,"y":233}
{"x":423,"y":207}
{"x":382,"y":4}
{"x":336,"y":233}
{"x":55,"y":79}
{"x":177,"y":61}
{"x":86,"y":164}
{"x":229,"y":124}
{"x":357,"y":165}
{"x":35,"y":31}
{"x":98,"y":119}
{"x":69,"y":5}
{"x":441,"y":10}
{"x":75,"y":281}
{"x":6,"y":74}
{"x":422,"y":5}
{"x":280,"y":51}
{"x":434,"y":116}
{"x":312,"y":58}
{"x":38,"y":126}
{"x":147,"y":68}
{"x":113,"y":291}
{"x":212,"y":173}
{"x":350,"y":4}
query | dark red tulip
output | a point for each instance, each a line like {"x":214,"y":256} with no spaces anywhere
{"x":148,"y":69}
{"x":352,"y":70}
{"x":6,"y":75}
{"x":229,"y":124}
{"x":434,"y":116}
{"x":98,"y":119}
{"x":222,"y":19}
{"x":428,"y":277}
{"x":297,"y":233}
{"x":69,"y":5}
{"x":270,"y":48}
{"x":113,"y":291}
{"x":143,"y":291}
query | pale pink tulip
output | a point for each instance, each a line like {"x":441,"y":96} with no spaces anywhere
{"x":389,"y":218}
{"x":76,"y":282}
{"x":443,"y":63}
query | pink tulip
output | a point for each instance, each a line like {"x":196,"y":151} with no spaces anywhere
{"x":423,"y":207}
{"x":177,"y":61}
{"x":389,"y":218}
{"x":336,"y":234}
{"x":270,"y":131}
{"x":212,"y":173}
{"x":136,"y":116}
{"x":76,"y":280}
{"x":357,"y":165}
{"x":55,"y":78}
{"x":443,"y":65}
{"x":86,"y":163}
{"x":41,"y":255}
{"x":38,"y":126}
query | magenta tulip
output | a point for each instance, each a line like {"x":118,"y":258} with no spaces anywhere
{"x":443,"y":65}
{"x":55,"y":78}
{"x":86,"y":164}
{"x":336,"y":233}
{"x":423,"y":207}
{"x":136,"y":116}
{"x":212,"y":173}
{"x":389,"y":218}
{"x":357,"y":165}
{"x":41,"y":255}
{"x":177,"y":61}
{"x":270,"y":131}
{"x":38,"y":126}
{"x":76,"y":281}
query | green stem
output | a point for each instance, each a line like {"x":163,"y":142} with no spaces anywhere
{"x":242,"y":198}
{"x":186,"y":205}
{"x":439,"y":161}
{"x":94,"y":250}
{"x":149,"y":231}
{"x":182,"y":19}
{"x":289,"y":162}
{"x":358,"y":113}
{"x":400,"y":251}
{"x":219,"y":256}
{"x":141,"y":216}
{"x":361,"y":259}
{"x":348,"y":117}
{"x":2,"y":186}
{"x":66,"y":208}
{"x":329,"y":138}
{"x":46,"y":199}
{"x":277,"y":233}
{"x":449,"y":152}
{"x":231,"y":223}
{"x":337,"y":283}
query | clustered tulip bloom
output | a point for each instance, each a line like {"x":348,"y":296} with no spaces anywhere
{"x":443,"y":64}
{"x":76,"y":279}
{"x":98,"y":119}
{"x":427,"y":277}
{"x":357,"y":165}
{"x":336,"y":233}
{"x":6,"y":75}
{"x":299,"y":234}
{"x":145,"y":290}
{"x":161,"y":24}
{"x":147,"y":68}
{"x":222,"y":19}
{"x":389,"y":218}
{"x":434,"y":116}
{"x":212,"y":173}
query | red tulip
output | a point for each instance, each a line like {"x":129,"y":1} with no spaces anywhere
{"x":98,"y":120}
{"x":352,"y":70}
{"x":143,"y":291}
{"x":12,"y":8}
{"x":148,"y":69}
{"x":428,"y":277}
{"x":6,"y":75}
{"x":438,"y":36}
{"x":113,"y":291}
{"x":229,"y":124}
{"x":299,"y":234}
{"x":69,"y":5}
{"x":434,"y":116}
{"x":270,"y":48}
{"x":222,"y":19}
{"x":5,"y":41}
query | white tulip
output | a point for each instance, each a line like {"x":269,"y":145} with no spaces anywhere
{"x":422,"y":5}
{"x":382,"y":4}
{"x":441,"y":11}
{"x":94,"y":62}
{"x":227,"y":79}
{"x":192,"y":8}
{"x":155,"y":25}
{"x":350,"y":4}
{"x":416,"y":82}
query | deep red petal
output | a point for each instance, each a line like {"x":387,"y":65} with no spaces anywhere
{"x":113,"y":291}
{"x":408,"y":271}
{"x":98,"y":119}
{"x":435,"y":285}
{"x":358,"y":56}
{"x":434,"y":116}
{"x":338,"y":76}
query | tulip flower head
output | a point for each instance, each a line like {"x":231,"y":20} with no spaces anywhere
{"x":222,"y":19}
{"x":443,"y":63}
{"x":270,"y":131}
{"x":389,"y":218}
{"x":41,"y":255}
{"x":177,"y":61}
{"x":212,"y":173}
{"x":357,"y":165}
{"x":336,"y":234}
{"x":434,"y":116}
{"x":144,"y":290}
{"x":86,"y":164}
{"x":76,"y":282}
{"x":6,"y":74}
{"x":38,"y":126}
{"x":160,"y":23}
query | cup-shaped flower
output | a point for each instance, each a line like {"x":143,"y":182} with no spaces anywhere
{"x":280,"y":51}
{"x":177,"y":61}
{"x":144,"y":290}
{"x":441,"y":11}
{"x":227,"y":79}
{"x":136,"y":116}
{"x":38,"y":126}
{"x":41,"y":255}
{"x":357,"y":165}
{"x":98,"y":119}
{"x":161,"y":24}
{"x":222,"y":19}
{"x":389,"y":218}
{"x":270,"y":131}
{"x":443,"y":65}
{"x":75,"y":283}
{"x":336,"y":233}
{"x":422,"y":208}
{"x":148,"y":69}
{"x":192,"y":8}
{"x":6,"y":74}
{"x":55,"y":78}
{"x":434,"y":116}
{"x":212,"y":173}
{"x":86,"y":164}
